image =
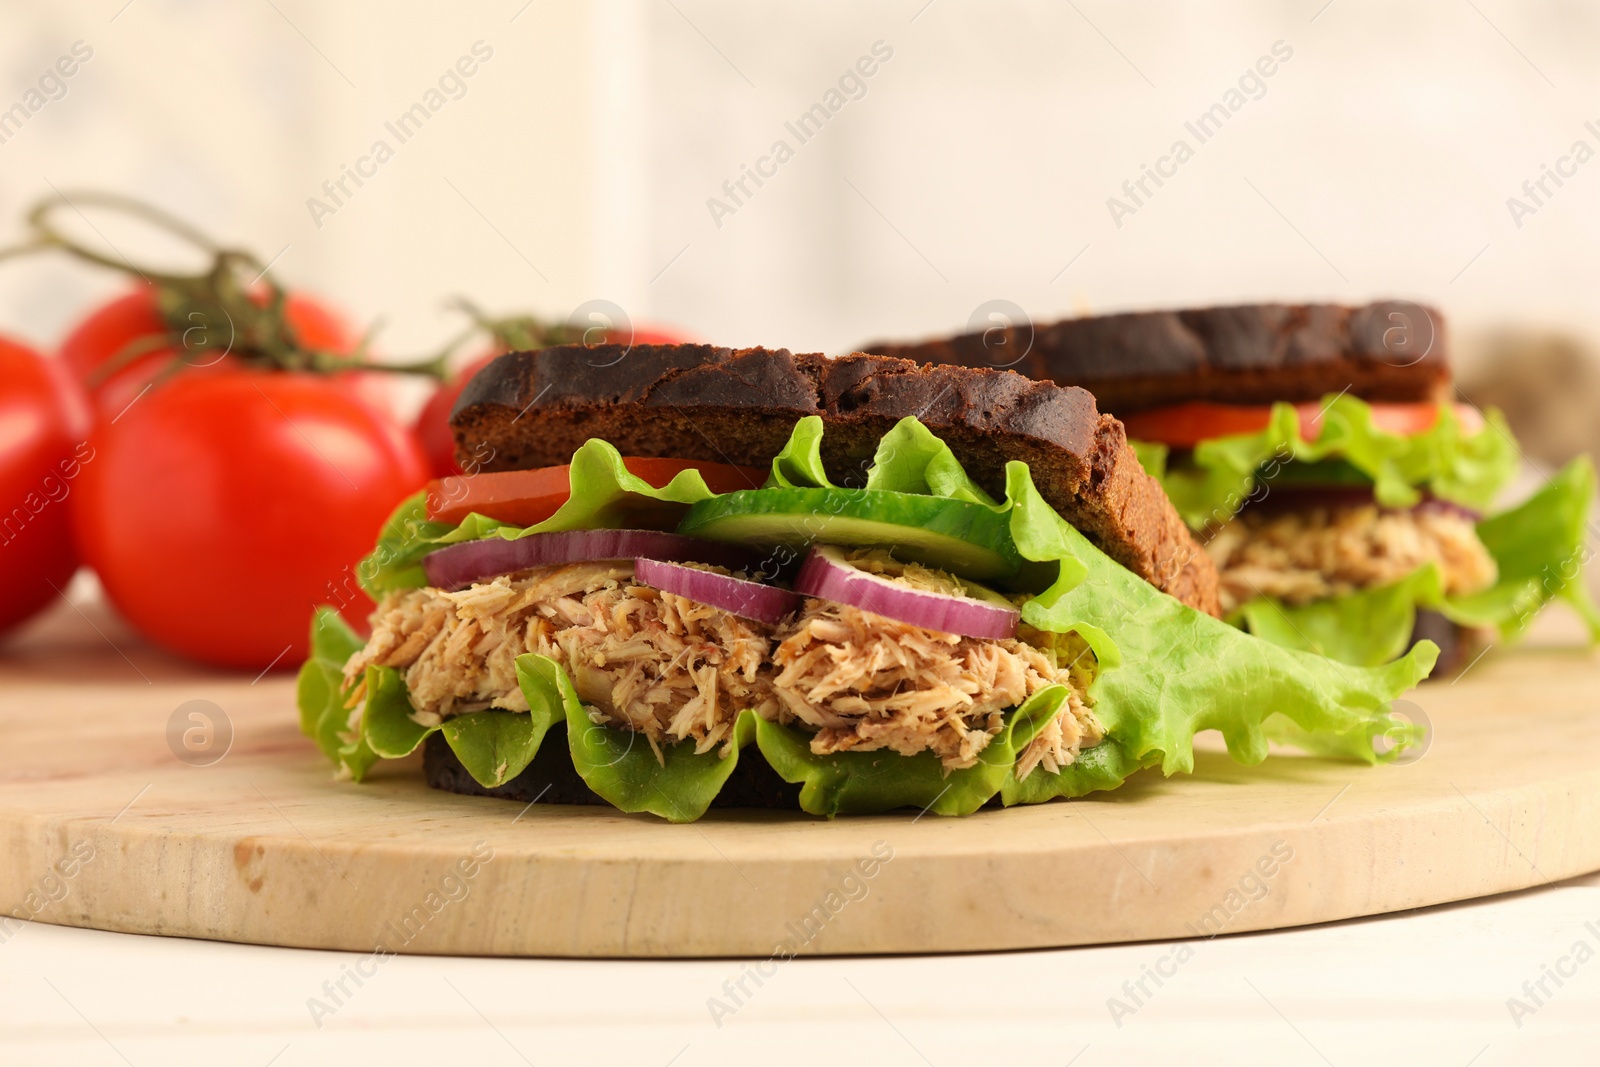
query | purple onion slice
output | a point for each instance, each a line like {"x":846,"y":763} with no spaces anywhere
{"x":1288,"y":498}
{"x":1449,"y":507}
{"x":736,"y":596}
{"x":827,"y":576}
{"x":458,"y":566}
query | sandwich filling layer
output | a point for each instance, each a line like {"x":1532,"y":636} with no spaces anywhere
{"x":673,"y":669}
{"x":1305,"y":555}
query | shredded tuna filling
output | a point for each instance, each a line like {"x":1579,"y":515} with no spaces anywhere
{"x":865,"y":682}
{"x":668,"y":667}
{"x":675,"y":669}
{"x":1307,"y":555}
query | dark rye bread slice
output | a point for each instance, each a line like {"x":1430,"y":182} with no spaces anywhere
{"x":1456,"y":643}
{"x":534,"y":409}
{"x":1249,"y":354}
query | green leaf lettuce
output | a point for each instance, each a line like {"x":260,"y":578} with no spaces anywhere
{"x":319,"y":692}
{"x":622,"y":767}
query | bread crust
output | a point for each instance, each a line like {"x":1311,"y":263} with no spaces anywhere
{"x":551,"y":779}
{"x":1392,"y":350}
{"x":534,"y":409}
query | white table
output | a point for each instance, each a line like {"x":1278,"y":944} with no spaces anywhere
{"x":1428,"y":987}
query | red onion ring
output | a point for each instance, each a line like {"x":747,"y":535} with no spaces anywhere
{"x":458,"y":566}
{"x":1278,"y":499}
{"x":736,"y":596}
{"x":827,"y":576}
{"x":1449,"y":507}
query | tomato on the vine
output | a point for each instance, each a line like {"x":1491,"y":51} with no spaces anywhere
{"x":433,"y":422}
{"x":43,"y":420}
{"x":222,"y":507}
{"x":134,"y":320}
{"x":432,"y":427}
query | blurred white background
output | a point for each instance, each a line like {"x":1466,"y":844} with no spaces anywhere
{"x":578,"y":160}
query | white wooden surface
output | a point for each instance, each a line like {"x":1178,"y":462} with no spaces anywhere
{"x":1420,"y":989}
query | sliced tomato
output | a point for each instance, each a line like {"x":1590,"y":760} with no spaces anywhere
{"x":1186,"y":425}
{"x":527,"y":497}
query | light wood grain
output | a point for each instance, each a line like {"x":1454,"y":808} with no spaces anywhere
{"x":263,"y":846}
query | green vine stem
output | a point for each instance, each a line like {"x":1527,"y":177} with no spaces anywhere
{"x":235,"y":305}
{"x":518,"y":333}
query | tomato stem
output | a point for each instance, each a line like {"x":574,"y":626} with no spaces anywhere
{"x":518,"y":333}
{"x":235,"y":307}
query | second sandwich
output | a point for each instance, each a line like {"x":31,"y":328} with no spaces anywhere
{"x":1318,"y":453}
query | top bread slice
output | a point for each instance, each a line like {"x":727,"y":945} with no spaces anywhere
{"x":1249,"y":354}
{"x":534,"y":409}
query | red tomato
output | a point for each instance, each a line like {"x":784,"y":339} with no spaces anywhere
{"x":112,"y":327}
{"x":433,"y":422}
{"x":317,"y":325}
{"x":527,"y":497}
{"x":222,"y":507}
{"x":432,"y":427}
{"x":1186,"y":425}
{"x":43,"y":420}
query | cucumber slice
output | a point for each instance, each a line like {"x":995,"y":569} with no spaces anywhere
{"x":970,"y":540}
{"x":1324,"y":472}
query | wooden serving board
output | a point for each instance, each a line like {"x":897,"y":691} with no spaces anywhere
{"x":102,"y":825}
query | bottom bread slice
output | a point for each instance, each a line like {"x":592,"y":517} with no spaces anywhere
{"x":1458,"y":645}
{"x":551,"y":779}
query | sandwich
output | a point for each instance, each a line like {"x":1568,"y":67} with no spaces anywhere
{"x":677,"y":577}
{"x":1320,"y":455}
